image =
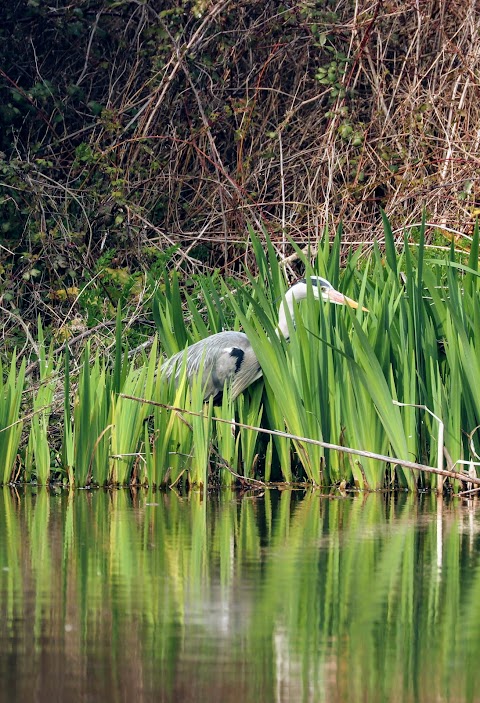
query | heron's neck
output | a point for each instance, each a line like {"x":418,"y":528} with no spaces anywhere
{"x":287,"y":303}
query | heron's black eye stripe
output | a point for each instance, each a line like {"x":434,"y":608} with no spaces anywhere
{"x":238,"y":354}
{"x":313,"y":281}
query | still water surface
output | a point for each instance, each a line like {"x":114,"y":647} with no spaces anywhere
{"x":109,"y":596}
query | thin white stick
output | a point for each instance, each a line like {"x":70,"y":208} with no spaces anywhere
{"x":308,"y":440}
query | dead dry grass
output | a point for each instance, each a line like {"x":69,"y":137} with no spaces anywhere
{"x":213,"y":115}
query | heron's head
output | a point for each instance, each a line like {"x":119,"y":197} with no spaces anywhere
{"x":322,"y":288}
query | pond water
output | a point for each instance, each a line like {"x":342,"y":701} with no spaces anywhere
{"x":285,"y":596}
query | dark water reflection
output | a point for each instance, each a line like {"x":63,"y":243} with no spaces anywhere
{"x":283,"y":597}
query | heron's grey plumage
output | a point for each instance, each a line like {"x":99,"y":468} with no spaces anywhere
{"x":226,"y":356}
{"x":229,"y":356}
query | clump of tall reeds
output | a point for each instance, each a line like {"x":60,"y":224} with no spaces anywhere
{"x":379,"y":381}
{"x":391,"y":382}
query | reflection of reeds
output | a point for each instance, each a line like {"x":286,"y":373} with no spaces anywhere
{"x":336,"y":380}
{"x":296,"y":589}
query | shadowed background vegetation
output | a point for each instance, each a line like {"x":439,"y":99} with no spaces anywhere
{"x":133,"y":133}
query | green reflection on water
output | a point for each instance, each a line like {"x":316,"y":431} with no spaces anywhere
{"x":113,"y":596}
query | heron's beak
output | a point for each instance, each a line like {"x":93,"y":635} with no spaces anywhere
{"x":335,"y":297}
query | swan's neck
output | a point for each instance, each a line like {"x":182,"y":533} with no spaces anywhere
{"x":287,"y":304}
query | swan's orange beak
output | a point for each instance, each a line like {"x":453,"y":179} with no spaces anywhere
{"x":335,"y":297}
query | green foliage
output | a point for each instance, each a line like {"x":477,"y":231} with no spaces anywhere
{"x":108,"y":428}
{"x":202,"y":429}
{"x":127,"y":418}
{"x":250,"y":412}
{"x":11,"y":389}
{"x":227,"y":443}
{"x":367,"y":380}
{"x":91,"y":423}
{"x":37,"y":456}
{"x":169,"y":434}
{"x":332,"y":74}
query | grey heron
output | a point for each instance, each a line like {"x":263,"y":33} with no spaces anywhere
{"x":229,"y":357}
